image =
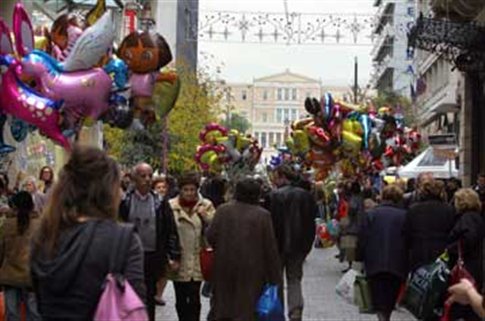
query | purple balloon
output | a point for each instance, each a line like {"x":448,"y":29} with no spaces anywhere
{"x":84,"y":93}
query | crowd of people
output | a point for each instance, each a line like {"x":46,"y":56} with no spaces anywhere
{"x":56,"y":239}
{"x":408,"y":226}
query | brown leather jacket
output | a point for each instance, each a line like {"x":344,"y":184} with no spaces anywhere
{"x":15,"y":253}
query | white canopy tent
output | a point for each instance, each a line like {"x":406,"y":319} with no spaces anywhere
{"x":428,"y":161}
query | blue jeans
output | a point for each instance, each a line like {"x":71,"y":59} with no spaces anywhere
{"x":13,"y":298}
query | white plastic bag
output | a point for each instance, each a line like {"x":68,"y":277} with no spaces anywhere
{"x":345,"y":287}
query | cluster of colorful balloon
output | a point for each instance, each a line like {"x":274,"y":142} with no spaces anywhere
{"x":221,"y":148}
{"x":327,"y":233}
{"x":360,"y":140}
{"x":74,"y":75}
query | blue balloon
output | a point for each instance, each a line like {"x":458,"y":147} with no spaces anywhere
{"x":4,"y":148}
{"x":19,"y":129}
{"x":366,"y":123}
{"x":118,"y":69}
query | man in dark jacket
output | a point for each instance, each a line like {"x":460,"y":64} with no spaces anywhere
{"x":293,"y":212}
{"x":154,"y":222}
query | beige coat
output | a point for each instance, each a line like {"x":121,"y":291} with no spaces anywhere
{"x":191,"y":238}
{"x":15,"y":253}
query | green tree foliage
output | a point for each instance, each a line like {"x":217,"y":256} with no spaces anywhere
{"x":238,"y":122}
{"x":393,"y":99}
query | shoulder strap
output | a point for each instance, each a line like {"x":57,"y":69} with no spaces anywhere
{"x":119,"y":249}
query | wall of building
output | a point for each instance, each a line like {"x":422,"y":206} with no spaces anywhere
{"x":173,"y":19}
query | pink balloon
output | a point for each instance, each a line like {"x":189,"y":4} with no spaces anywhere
{"x":85,"y":93}
{"x":20,"y":101}
{"x":142,"y":84}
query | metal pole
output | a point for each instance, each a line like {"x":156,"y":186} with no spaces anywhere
{"x":164,"y":160}
{"x":356,"y":80}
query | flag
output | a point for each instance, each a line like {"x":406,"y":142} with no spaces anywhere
{"x":420,"y":86}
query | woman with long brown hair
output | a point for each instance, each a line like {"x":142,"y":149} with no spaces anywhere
{"x":77,"y":234}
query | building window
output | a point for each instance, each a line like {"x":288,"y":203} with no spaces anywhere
{"x":271,"y":139}
{"x":293,"y":94}
{"x":308,"y":94}
{"x":280,"y":93}
{"x":294,"y":114}
{"x":256,"y":135}
{"x":287,"y":93}
{"x":286,"y":114}
{"x":279,"y":115}
{"x":263,"y":140}
{"x":265,"y":95}
{"x":244,"y":95}
{"x":265,"y":117}
{"x":278,"y":139}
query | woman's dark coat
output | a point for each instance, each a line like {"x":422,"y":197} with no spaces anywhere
{"x":381,"y":241}
{"x":427,"y":228}
{"x":246,"y":258}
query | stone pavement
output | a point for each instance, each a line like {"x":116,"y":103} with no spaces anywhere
{"x":321,"y":274}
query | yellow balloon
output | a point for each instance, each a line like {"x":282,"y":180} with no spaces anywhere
{"x":351,"y":141}
{"x":301,"y":141}
{"x":41,"y":43}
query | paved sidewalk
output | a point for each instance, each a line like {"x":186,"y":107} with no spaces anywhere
{"x":322,"y":272}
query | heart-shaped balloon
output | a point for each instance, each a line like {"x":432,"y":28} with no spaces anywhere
{"x":165,"y":96}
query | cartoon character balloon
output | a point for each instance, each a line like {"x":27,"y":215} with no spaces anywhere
{"x":65,"y":31}
{"x":145,"y":53}
{"x":17,"y":99}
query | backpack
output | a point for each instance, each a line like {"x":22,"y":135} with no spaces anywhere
{"x":119,"y":301}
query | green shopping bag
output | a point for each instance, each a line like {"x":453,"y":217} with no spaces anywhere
{"x":362,"y":294}
{"x":426,"y":289}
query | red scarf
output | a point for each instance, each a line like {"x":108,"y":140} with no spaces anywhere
{"x":188,"y":204}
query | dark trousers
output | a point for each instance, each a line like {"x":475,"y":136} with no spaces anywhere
{"x":154,"y":266}
{"x":292,"y":268}
{"x":187,"y":304}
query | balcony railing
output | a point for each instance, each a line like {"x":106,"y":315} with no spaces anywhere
{"x":459,"y":10}
{"x":383,"y":16}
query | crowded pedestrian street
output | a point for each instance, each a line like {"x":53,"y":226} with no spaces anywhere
{"x":242,"y":160}
{"x":322,"y":273}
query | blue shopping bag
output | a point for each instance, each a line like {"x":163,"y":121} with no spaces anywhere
{"x":269,"y":306}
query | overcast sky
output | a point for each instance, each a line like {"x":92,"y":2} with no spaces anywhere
{"x":333,"y":64}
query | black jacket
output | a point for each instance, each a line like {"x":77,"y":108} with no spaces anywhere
{"x":69,"y":285}
{"x":293,"y":212}
{"x":381,"y":241}
{"x":427,"y":228}
{"x":168,"y":243}
{"x":470,"y":229}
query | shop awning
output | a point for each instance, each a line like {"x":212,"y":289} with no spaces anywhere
{"x":440,"y":163}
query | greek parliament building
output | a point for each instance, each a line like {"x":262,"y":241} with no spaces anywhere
{"x":272,"y":102}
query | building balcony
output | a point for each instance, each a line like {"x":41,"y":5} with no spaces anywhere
{"x":439,"y":101}
{"x":384,"y":15}
{"x":384,"y":49}
{"x":382,"y":40}
{"x":380,"y":69}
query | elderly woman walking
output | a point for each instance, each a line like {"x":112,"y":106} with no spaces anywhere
{"x":246,"y":254}
{"x":192,"y":214}
{"x":382,"y":246}
{"x":468,"y":232}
